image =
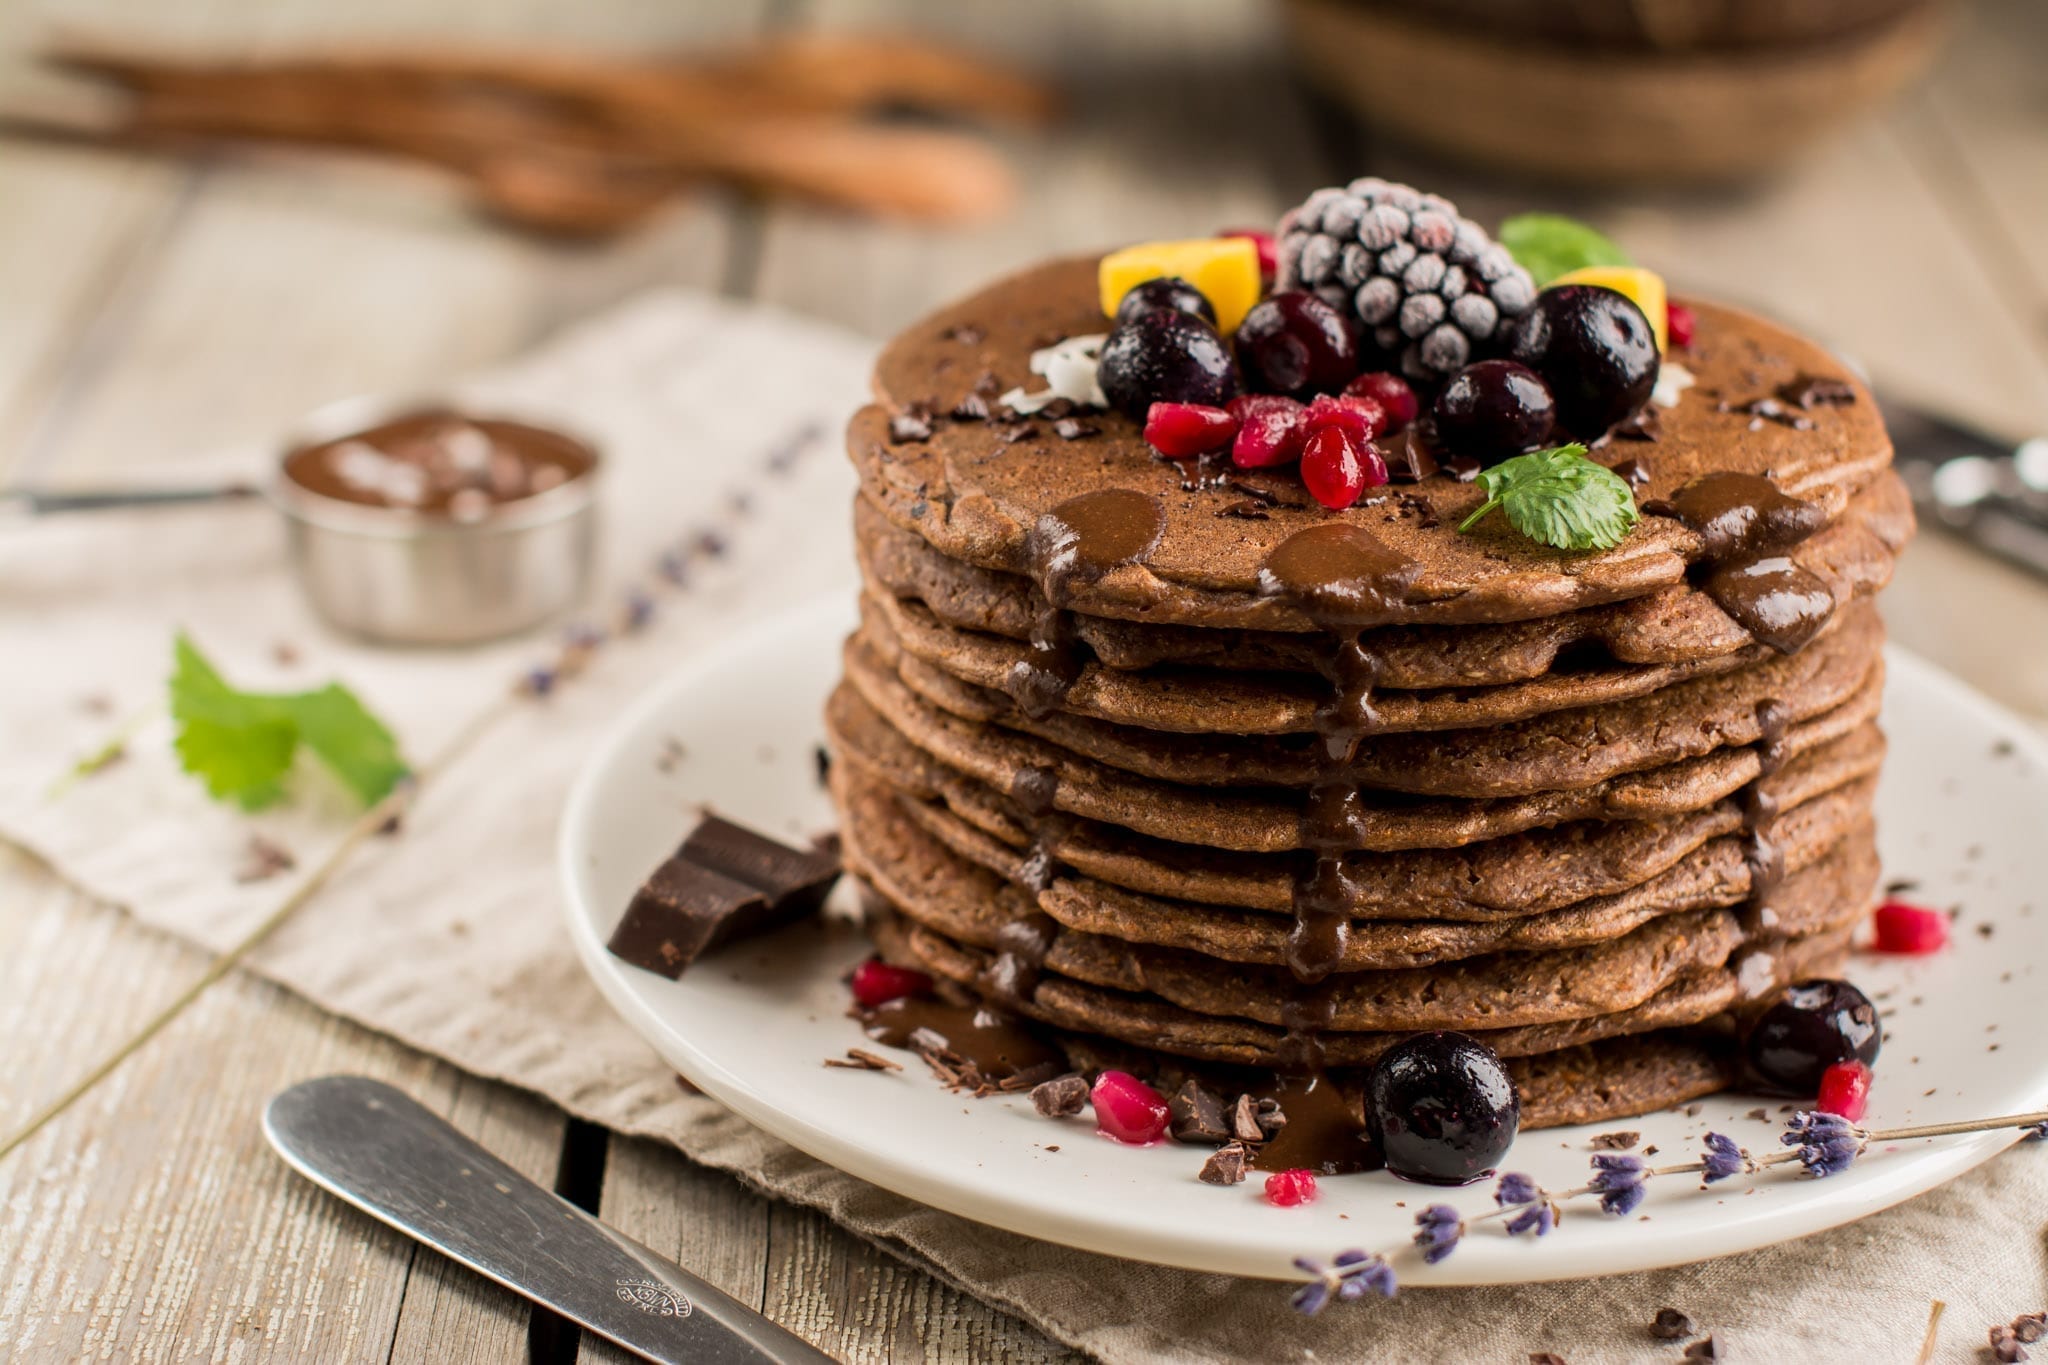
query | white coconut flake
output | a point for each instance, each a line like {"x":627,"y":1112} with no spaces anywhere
{"x":1069,"y":369}
{"x":1673,"y":379}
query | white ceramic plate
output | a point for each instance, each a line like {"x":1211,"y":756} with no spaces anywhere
{"x":1963,"y":810}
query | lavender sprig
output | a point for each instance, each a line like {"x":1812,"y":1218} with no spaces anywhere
{"x":1822,"y":1144}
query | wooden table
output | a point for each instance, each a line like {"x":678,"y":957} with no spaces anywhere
{"x":155,"y":309}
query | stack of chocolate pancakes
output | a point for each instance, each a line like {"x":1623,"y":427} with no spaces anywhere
{"x":1168,"y":759}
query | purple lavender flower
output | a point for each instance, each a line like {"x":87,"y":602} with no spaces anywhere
{"x":1350,"y":1275}
{"x":639,"y":610}
{"x":2038,"y":1133}
{"x":581,"y":635}
{"x":1724,"y":1157}
{"x":1618,"y":1176}
{"x":1437,"y":1230}
{"x":1364,"y":1272}
{"x":1538,"y":1217}
{"x":539,"y":681}
{"x":674,"y":567}
{"x":1827,"y":1143}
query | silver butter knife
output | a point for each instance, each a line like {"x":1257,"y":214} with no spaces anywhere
{"x":383,"y":1152}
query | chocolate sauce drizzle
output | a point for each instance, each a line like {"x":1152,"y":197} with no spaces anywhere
{"x":1759,"y":814}
{"x":1346,"y":581}
{"x":997,"y":1045}
{"x":1081,"y":539}
{"x":1749,"y":524}
{"x":1022,"y":944}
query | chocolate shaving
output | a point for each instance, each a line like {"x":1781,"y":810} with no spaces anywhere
{"x":1811,"y":391}
{"x":1069,"y":429}
{"x":1615,"y":1142}
{"x":1226,"y":1165}
{"x":1636,"y":473}
{"x":1463,"y":468}
{"x":1707,"y":1347}
{"x":1408,"y":456}
{"x":913,"y":424}
{"x":1009,"y":433}
{"x":860,"y":1059}
{"x":1061,"y":1097}
{"x":1245,"y":510}
{"x":972,"y":408}
{"x":1644,"y":424}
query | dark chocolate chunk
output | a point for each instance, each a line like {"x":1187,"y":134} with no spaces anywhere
{"x":912,"y":424}
{"x":1707,"y":1347}
{"x":1811,"y":391}
{"x":1226,"y":1165}
{"x":1244,"y":1120}
{"x":725,"y":883}
{"x":1615,"y":1142}
{"x":1062,"y":1097}
{"x":972,"y":408}
{"x":1671,"y":1325}
{"x":1197,"y":1115}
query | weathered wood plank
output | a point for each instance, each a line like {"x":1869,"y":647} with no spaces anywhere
{"x":152,"y":1221}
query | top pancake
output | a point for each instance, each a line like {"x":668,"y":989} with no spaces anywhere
{"x":972,"y":492}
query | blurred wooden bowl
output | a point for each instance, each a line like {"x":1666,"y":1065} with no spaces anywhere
{"x":1600,"y":113}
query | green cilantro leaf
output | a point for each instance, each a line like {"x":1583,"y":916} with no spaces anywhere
{"x":1549,"y":244}
{"x":1560,"y":498}
{"x":241,"y":744}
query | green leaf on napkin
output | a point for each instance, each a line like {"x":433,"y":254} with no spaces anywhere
{"x":1558,"y":497}
{"x":1549,"y":244}
{"x":241,"y":744}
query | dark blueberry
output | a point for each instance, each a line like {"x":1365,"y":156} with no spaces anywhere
{"x":1595,"y":350}
{"x":1165,"y":357}
{"x":1167,"y":291}
{"x":1441,"y":1108}
{"x":1493,"y":410}
{"x":1814,"y":1025}
{"x":1296,"y":343}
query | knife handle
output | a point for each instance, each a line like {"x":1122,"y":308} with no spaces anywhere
{"x":378,"y":1149}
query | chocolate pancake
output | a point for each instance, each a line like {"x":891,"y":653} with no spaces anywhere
{"x":1506,"y":878}
{"x":975,"y":490}
{"x":1159,"y":1026}
{"x":1614,"y":1078}
{"x":1487,"y":755}
{"x":1266,"y":820}
{"x":1826,"y":848}
{"x":1676,"y":625}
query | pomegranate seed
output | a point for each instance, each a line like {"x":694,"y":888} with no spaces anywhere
{"x":1271,"y":429}
{"x":1362,"y":417}
{"x":1679,"y":322}
{"x":1127,"y":1109}
{"x":1913,"y":929}
{"x":1181,"y":431}
{"x":1268,"y":249}
{"x":1845,"y":1090}
{"x":1338,"y":467}
{"x":1391,"y":392}
{"x":876,"y":982}
{"x":1287,"y":1189}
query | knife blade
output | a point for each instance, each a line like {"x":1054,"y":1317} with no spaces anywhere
{"x":1991,"y":492}
{"x":380,"y":1150}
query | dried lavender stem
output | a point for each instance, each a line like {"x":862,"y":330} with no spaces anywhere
{"x":1934,"y":1313}
{"x":1928,"y":1130}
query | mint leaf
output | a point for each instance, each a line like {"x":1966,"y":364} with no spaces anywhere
{"x":241,"y":744}
{"x":1549,"y":244}
{"x":1558,"y":497}
{"x":352,"y":742}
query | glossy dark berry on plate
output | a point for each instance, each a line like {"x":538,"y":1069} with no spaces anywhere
{"x":1167,"y":291}
{"x":1165,"y":357}
{"x":1493,"y":410}
{"x":1296,"y":343}
{"x":1596,"y":351}
{"x":1813,"y":1025}
{"x":1441,"y":1108}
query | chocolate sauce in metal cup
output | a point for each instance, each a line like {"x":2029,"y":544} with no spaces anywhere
{"x":418,"y":524}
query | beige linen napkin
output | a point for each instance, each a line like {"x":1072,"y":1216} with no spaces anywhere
{"x":726,"y":419}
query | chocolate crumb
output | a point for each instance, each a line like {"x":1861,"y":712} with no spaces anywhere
{"x":1650,"y":1150}
{"x":1635,"y":473}
{"x":966,"y":333}
{"x":1244,"y":509}
{"x":1616,"y":1142}
{"x":1197,"y":1115}
{"x":1985,"y":930}
{"x":285,"y":654}
{"x":1226,"y":1165}
{"x":1671,"y":1325}
{"x":1062,"y":1097}
{"x":972,"y":408}
{"x":1707,"y":1347}
{"x":1009,"y":433}
{"x":821,"y":759}
{"x":263,"y":859}
{"x":1052,"y":1147}
{"x":860,"y":1059}
{"x":1692,"y":1111}
{"x":1811,"y":391}
{"x":1069,"y":429}
{"x":1760,"y":1114}
{"x":1244,"y":1120}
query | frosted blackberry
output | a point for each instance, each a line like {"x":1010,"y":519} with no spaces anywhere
{"x":1431,"y":291}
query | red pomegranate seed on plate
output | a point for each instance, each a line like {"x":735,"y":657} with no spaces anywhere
{"x":1127,"y":1109}
{"x":1910,"y":929}
{"x":876,"y":982}
{"x":1288,"y":1189}
{"x":1845,"y":1090}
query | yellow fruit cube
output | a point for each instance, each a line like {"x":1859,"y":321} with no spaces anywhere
{"x":1646,"y":287}
{"x":1225,"y":269}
